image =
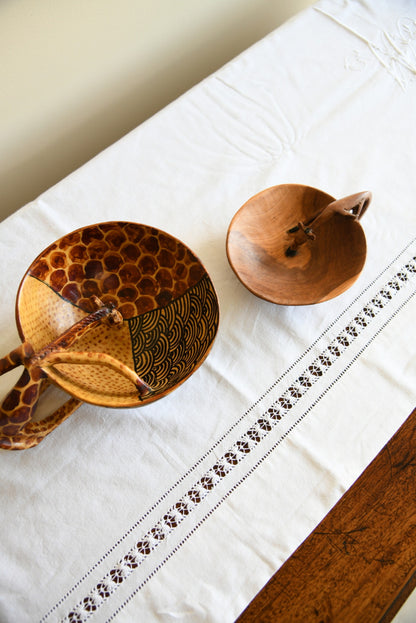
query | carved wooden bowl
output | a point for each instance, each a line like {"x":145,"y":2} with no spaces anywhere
{"x":151,"y":310}
{"x":296,"y":245}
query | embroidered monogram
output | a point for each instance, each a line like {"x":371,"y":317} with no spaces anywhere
{"x":395,"y":51}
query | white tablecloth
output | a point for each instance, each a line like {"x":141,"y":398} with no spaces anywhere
{"x":183,"y":509}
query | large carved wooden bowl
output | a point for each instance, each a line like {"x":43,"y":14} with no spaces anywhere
{"x":165,"y":296}
{"x":296,"y":245}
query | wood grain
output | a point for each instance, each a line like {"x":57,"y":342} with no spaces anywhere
{"x":359,"y":564}
{"x":287,"y":247}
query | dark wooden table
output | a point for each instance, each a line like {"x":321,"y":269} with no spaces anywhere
{"x":359,"y":564}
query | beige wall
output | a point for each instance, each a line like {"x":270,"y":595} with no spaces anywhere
{"x":75,"y":75}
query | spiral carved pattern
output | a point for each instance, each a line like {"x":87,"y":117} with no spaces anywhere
{"x":170,"y":341}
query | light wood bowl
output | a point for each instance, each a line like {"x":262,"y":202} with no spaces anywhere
{"x":296,"y":245}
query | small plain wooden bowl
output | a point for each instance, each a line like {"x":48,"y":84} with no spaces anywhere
{"x":261,"y":235}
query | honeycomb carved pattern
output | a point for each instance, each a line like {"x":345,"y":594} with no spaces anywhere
{"x":135,"y":267}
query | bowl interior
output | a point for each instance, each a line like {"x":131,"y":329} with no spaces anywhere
{"x":167,"y":300}
{"x":258,"y":238}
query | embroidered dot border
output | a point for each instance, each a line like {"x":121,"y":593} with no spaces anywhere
{"x":239,"y":450}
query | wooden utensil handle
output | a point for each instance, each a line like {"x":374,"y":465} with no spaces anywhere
{"x":17,"y":429}
{"x":352,"y":206}
{"x":19,"y":405}
{"x":16,"y":357}
{"x":16,"y":435}
{"x":100,"y":359}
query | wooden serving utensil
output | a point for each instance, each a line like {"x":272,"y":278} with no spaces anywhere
{"x":296,"y":245}
{"x":18,"y":430}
